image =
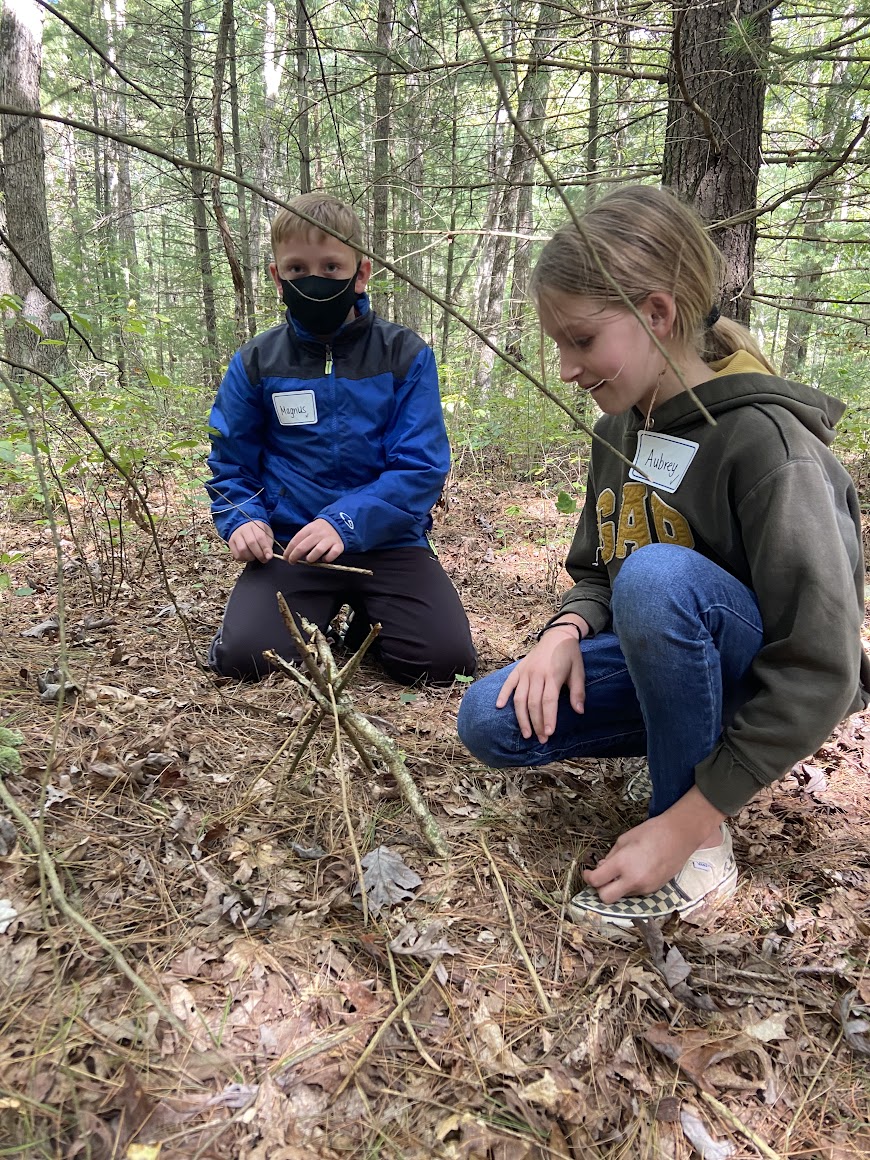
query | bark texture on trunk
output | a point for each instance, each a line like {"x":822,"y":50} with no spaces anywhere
{"x":26,"y":266}
{"x":716,"y":87}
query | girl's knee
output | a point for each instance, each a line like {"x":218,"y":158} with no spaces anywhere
{"x":481,"y":726}
{"x":650,"y":581}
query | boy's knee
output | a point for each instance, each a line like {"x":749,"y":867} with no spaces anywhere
{"x":241,"y":663}
{"x":435,"y":666}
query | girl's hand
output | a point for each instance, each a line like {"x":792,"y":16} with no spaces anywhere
{"x":316,"y":541}
{"x":537,"y":681}
{"x":649,"y":855}
{"x":252,"y":541}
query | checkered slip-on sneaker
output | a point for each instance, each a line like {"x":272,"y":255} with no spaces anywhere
{"x":708,"y":875}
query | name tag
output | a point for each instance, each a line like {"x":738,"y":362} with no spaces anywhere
{"x":663,"y":459}
{"x":295,"y":407}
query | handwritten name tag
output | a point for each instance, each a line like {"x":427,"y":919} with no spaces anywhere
{"x":295,"y":407}
{"x":663,"y":459}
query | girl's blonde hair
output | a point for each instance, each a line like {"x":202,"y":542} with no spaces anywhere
{"x":324,"y":208}
{"x":642,"y":238}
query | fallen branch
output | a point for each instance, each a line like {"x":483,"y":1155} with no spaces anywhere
{"x":387,"y":1023}
{"x":66,"y":907}
{"x":327,"y":686}
{"x":530,"y":966}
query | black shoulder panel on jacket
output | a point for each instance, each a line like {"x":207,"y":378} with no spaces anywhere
{"x":370,"y":346}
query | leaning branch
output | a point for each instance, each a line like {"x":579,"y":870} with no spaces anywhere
{"x":225,"y":175}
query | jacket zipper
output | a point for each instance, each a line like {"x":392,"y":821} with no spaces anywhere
{"x":327,"y":369}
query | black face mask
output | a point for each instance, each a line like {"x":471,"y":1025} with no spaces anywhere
{"x":319,"y":305}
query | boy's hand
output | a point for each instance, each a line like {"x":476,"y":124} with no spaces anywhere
{"x":316,"y":541}
{"x":252,"y":541}
{"x":649,"y":855}
{"x":537,"y":681}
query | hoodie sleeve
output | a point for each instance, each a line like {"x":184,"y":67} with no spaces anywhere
{"x":799,"y":533}
{"x":237,"y":430}
{"x":397,"y":504}
{"x":590,"y":596}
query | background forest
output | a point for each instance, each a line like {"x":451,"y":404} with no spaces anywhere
{"x":186,"y":968}
{"x":169,"y":130}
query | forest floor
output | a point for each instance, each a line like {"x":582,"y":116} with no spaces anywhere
{"x":260,"y":1017}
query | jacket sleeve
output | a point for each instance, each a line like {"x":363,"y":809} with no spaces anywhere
{"x":590,"y":596}
{"x":804,"y":553}
{"x":417,"y":452}
{"x":237,"y":431}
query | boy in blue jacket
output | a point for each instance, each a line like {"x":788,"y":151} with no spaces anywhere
{"x":328,"y":442}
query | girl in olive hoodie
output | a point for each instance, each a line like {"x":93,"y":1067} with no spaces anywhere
{"x":718,"y":574}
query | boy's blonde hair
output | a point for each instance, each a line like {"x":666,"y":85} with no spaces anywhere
{"x":645,"y":239}
{"x":324,"y":208}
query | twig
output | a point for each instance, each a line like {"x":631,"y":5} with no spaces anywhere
{"x":406,"y":1018}
{"x":319,"y":686}
{"x":566,"y":893}
{"x":729,"y":1117}
{"x":66,"y":907}
{"x":345,"y":808}
{"x":336,"y":567}
{"x":530,"y":966}
{"x":387,"y":1023}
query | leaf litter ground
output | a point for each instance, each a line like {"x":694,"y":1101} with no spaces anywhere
{"x":468,"y":1019}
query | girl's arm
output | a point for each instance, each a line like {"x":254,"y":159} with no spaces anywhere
{"x":590,"y":596}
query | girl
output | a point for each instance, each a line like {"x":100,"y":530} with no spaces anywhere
{"x":718,"y":582}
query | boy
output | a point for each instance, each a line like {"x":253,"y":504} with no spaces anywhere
{"x":329,"y":444}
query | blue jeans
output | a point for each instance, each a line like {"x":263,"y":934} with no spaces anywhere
{"x":673,"y":671}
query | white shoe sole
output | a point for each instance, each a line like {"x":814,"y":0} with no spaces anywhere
{"x":660,"y":904}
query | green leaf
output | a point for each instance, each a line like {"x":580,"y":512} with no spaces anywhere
{"x":565,"y":503}
{"x":462,"y":678}
{"x":407,"y":698}
{"x":24,"y":591}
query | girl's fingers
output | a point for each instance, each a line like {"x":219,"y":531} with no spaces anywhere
{"x":521,"y":708}
{"x":504,"y":693}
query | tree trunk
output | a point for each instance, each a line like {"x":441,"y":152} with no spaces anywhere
{"x":411,"y":311}
{"x":531,"y":112}
{"x":26,"y":267}
{"x":220,"y":65}
{"x":594,"y":105}
{"x":211,"y":369}
{"x":303,"y":130}
{"x":383,"y":94}
{"x":273,"y":66}
{"x":118,"y":156}
{"x":712,"y":151}
{"x":241,"y":193}
{"x":837,"y":127}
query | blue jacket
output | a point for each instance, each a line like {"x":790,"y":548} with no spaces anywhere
{"x":352,"y":433}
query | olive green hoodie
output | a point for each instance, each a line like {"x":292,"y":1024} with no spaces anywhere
{"x":764,"y":498}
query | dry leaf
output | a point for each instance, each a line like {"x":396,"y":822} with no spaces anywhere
{"x":429,"y":944}
{"x":388,"y":880}
{"x":8,"y":837}
{"x":769,"y":1029}
{"x":694,"y":1051}
{"x":8,"y":914}
{"x":856,"y":1032}
{"x":700,"y":1139}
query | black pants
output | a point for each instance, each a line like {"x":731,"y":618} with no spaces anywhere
{"x":424,"y":630}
